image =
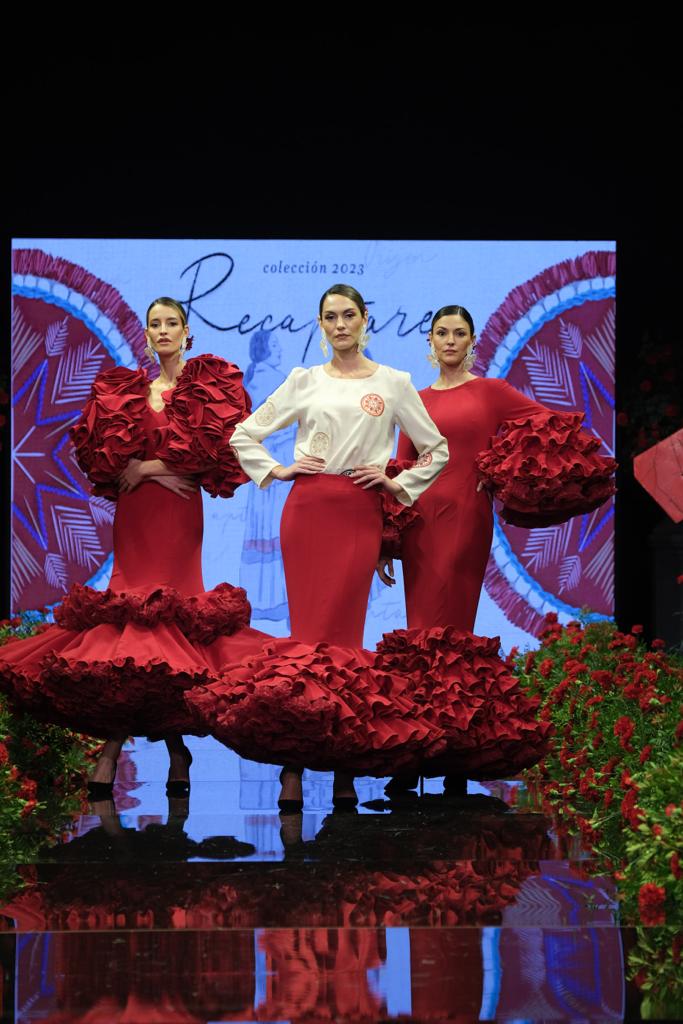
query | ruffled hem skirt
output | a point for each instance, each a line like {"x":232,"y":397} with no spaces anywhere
{"x":121,"y":663}
{"x":432,"y":701}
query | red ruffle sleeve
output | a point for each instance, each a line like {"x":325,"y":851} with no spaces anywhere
{"x":396,"y":516}
{"x":109,"y":433}
{"x":545,"y":469}
{"x":206,"y":405}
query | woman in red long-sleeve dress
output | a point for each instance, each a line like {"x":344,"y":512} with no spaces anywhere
{"x":538,"y":462}
{"x":118,"y":662}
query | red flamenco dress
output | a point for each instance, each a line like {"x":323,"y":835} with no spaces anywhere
{"x":540,"y":464}
{"x":119,"y":661}
{"x":433,"y":698}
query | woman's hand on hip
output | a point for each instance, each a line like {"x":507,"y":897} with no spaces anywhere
{"x":132,"y":475}
{"x":185,"y":486}
{"x":308,"y":465}
{"x":373,"y":476}
{"x":385,"y":570}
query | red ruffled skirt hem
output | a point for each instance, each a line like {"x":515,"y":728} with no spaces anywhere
{"x":433,"y":701}
{"x":126,"y":670}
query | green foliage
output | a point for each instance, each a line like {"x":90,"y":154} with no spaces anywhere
{"x":612,"y":777}
{"x":42,"y":771}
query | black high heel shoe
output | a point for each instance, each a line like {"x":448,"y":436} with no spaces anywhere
{"x":344,"y":803}
{"x":289,"y":806}
{"x":180,"y":787}
{"x":102,"y":790}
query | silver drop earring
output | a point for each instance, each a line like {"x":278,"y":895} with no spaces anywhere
{"x":432,"y":356}
{"x":363,"y":340}
{"x":323,"y":345}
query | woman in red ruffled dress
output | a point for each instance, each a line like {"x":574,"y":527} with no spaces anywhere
{"x":316,"y":699}
{"x":538,"y":462}
{"x":118,"y":662}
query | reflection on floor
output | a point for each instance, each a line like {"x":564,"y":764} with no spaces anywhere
{"x":216,"y":908}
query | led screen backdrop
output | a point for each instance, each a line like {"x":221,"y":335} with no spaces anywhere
{"x":544,"y":312}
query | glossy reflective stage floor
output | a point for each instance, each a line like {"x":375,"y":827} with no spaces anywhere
{"x":218,"y":909}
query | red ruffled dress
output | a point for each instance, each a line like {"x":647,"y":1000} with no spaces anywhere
{"x":433,"y":698}
{"x":540,"y":464}
{"x":118,"y":662}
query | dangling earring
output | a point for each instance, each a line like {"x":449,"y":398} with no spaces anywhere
{"x":432,"y":356}
{"x":363,"y":340}
{"x":470,"y":358}
{"x":150,"y":353}
{"x":323,"y":345}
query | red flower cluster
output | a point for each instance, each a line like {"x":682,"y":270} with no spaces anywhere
{"x":651,"y":904}
{"x":624,"y":728}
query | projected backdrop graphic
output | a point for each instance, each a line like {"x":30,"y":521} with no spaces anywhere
{"x":545,"y":317}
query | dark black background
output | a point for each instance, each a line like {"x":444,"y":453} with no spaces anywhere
{"x":464,"y":131}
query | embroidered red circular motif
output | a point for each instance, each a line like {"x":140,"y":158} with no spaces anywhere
{"x":373,"y":405}
{"x":424,"y":460}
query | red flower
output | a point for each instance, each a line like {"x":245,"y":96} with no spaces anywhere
{"x":637,"y":630}
{"x":657,"y":830}
{"x":597,"y":741}
{"x":609,"y":796}
{"x":658,"y":644}
{"x":4,"y":754}
{"x":28,"y":808}
{"x":624,"y":728}
{"x":651,"y":904}
{"x":669,"y":809}
{"x":676,"y":865}
{"x":645,"y":753}
{"x":546,"y":667}
{"x":630,"y":810}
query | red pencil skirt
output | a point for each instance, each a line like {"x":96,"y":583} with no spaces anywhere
{"x":330,"y":535}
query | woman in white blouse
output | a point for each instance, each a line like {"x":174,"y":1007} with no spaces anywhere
{"x":330,"y":534}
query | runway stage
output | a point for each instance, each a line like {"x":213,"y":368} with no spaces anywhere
{"x":217,"y":908}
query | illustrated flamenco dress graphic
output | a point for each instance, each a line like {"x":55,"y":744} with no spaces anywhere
{"x":261,"y":571}
{"x":119,"y":661}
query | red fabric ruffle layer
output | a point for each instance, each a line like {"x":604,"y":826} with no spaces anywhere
{"x":206,"y":405}
{"x":434,"y":701}
{"x":109,"y":433}
{"x":545,"y":469}
{"x":204,"y":408}
{"x":396,"y":518}
{"x":120,"y":664}
{"x":201,"y":618}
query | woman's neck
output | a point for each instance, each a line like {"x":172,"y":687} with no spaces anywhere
{"x":451,"y":376}
{"x":345,"y":364}
{"x":171,"y":367}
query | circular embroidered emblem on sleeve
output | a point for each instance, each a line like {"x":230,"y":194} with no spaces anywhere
{"x":373,"y":405}
{"x":265,"y":415}
{"x":424,"y":460}
{"x":319,"y":443}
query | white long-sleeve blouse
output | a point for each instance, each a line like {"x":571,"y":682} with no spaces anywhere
{"x":348,"y":422}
